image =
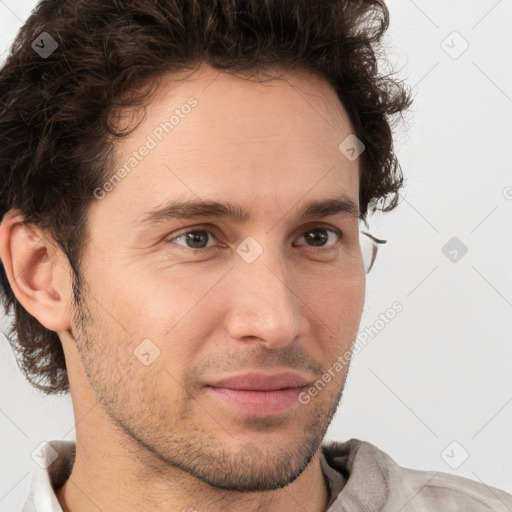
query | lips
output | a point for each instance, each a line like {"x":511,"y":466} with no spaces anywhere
{"x":258,"y":381}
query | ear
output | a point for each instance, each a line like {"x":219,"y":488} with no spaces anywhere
{"x":37,"y":270}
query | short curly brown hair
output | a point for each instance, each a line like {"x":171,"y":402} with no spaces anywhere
{"x":57,"y":110}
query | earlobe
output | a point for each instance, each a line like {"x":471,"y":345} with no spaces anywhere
{"x":36,"y":271}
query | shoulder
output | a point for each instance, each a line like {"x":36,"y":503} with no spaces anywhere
{"x":451,"y":492}
{"x":374,"y":479}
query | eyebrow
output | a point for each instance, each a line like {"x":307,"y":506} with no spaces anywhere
{"x":198,"y":208}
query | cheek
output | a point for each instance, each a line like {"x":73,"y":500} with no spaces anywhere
{"x":334,"y":290}
{"x":149,"y":301}
{"x":335,"y":307}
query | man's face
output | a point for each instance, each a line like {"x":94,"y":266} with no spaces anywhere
{"x":159,"y":321}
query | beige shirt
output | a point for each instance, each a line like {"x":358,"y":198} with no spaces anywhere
{"x":361,"y":478}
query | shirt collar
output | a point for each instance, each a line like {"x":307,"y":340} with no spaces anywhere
{"x":53,"y":463}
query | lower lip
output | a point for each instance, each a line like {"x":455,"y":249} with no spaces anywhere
{"x":258,"y":403}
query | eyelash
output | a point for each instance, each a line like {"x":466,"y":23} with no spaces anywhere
{"x":205,"y":249}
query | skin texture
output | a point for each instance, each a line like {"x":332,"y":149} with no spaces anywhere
{"x":149,"y":437}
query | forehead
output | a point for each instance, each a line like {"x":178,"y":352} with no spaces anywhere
{"x":266,"y":105}
{"x":216,"y":136}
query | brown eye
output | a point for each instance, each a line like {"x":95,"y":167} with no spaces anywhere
{"x":319,"y":237}
{"x":195,"y":239}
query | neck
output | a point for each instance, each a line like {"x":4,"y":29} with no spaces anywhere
{"x":102,"y":480}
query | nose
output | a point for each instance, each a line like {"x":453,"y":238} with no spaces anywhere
{"x":263,"y":303}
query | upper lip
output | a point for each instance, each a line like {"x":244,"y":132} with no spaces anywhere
{"x":261,"y":381}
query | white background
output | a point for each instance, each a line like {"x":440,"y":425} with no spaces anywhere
{"x":441,"y":370}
